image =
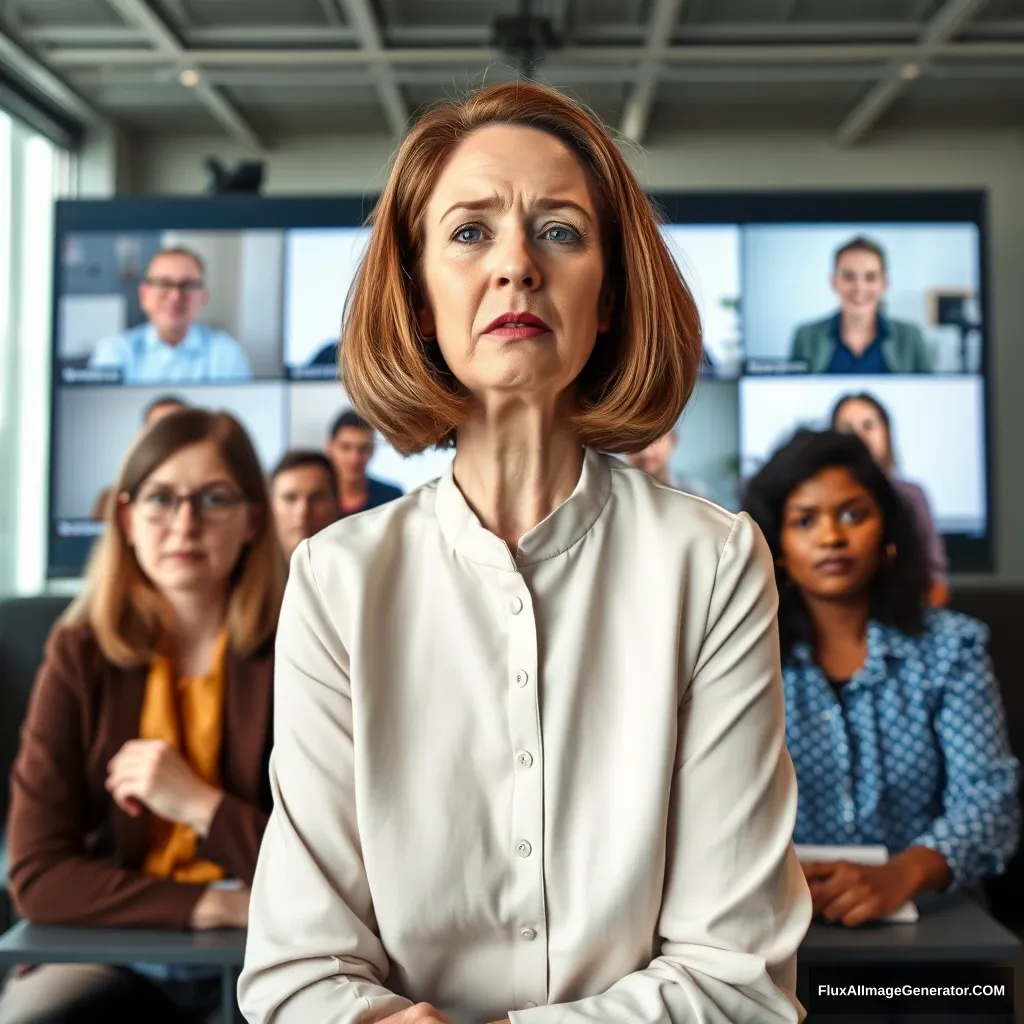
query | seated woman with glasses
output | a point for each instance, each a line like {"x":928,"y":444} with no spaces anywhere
{"x":172,"y":346}
{"x":141,"y":790}
{"x":893,"y":718}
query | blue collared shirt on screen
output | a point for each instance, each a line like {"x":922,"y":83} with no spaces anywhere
{"x":870,"y":360}
{"x":204,"y":354}
{"x":912,"y":751}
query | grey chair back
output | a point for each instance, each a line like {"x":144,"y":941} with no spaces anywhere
{"x":25,"y":623}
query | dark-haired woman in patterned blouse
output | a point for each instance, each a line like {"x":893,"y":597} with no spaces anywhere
{"x":893,"y":717}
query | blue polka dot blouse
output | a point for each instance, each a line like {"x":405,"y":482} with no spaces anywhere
{"x":912,"y":751}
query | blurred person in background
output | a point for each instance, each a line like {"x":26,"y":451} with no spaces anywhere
{"x":866,"y":417}
{"x":511,"y":705}
{"x":304,"y":497}
{"x":893,"y":718}
{"x":161,"y":406}
{"x":140,"y":791}
{"x":350,"y":447}
{"x":860,"y":338}
{"x":656,"y":461}
{"x":172,"y":345}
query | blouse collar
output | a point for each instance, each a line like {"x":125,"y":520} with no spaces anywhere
{"x":883,"y":643}
{"x":563,"y":528}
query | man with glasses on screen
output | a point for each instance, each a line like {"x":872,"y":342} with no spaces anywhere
{"x":172,"y":346}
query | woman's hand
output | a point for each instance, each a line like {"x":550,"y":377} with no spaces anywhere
{"x":421,"y":1013}
{"x":854,"y":893}
{"x":851,"y":894}
{"x":151,"y":773}
{"x":221,"y":908}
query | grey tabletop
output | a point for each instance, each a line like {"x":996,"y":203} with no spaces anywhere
{"x":951,"y":928}
{"x":35,"y":944}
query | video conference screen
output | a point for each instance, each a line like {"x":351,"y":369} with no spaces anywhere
{"x":805,"y":300}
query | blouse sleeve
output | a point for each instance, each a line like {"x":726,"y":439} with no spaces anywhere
{"x":735,"y":905}
{"x":312,"y":953}
{"x":978,"y":830}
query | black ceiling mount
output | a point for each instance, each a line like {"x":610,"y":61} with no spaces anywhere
{"x":526,"y":37}
{"x":246,"y":178}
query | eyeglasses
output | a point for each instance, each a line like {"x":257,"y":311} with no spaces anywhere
{"x":187,"y":286}
{"x":210,"y":505}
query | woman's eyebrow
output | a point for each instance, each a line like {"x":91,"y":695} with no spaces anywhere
{"x":492,"y":202}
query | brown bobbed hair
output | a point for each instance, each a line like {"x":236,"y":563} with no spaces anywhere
{"x":642,"y":371}
{"x":128,"y":615}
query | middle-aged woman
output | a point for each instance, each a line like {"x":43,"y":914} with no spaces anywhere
{"x":893,"y":716}
{"x":529,"y":760}
{"x":140,"y":792}
{"x":865,"y":416}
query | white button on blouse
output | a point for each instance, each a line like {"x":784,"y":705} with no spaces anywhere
{"x":642,"y":870}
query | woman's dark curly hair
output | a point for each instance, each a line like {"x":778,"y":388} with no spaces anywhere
{"x":899,"y":589}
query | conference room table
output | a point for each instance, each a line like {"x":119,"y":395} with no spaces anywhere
{"x":951,"y":929}
{"x":53,"y":944}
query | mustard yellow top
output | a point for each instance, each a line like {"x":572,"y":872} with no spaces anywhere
{"x":188,"y":713}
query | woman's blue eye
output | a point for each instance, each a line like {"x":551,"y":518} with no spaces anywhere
{"x":158,"y":498}
{"x":468,"y":235}
{"x":566,"y":235}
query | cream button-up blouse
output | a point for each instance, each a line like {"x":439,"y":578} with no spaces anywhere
{"x":553,"y":788}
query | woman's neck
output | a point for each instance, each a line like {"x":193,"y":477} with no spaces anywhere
{"x":515,"y":467}
{"x":353,"y":491}
{"x":199,"y":620}
{"x":840,"y":634}
{"x":858,"y":330}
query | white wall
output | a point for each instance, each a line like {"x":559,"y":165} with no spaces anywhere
{"x":992,"y":160}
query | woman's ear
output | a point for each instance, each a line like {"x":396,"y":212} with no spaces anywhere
{"x":123,"y":512}
{"x":426,"y":323}
{"x":255,"y":518}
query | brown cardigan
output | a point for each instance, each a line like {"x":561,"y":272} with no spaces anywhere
{"x":75,"y":856}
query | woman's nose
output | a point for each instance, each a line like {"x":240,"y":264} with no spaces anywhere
{"x":832,"y":534}
{"x":515,"y":262}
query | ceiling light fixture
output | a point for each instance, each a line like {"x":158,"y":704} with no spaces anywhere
{"x":910,"y":71}
{"x":189,"y":78}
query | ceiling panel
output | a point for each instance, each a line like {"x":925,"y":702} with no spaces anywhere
{"x":612,"y":12}
{"x":979,"y":91}
{"x":443,"y":12}
{"x":677,"y":118}
{"x":63,"y":12}
{"x":354,"y":112}
{"x":913,"y":112}
{"x":996,"y":10}
{"x":304,"y":92}
{"x":244,"y":13}
{"x":730,"y":11}
{"x":862,"y":10}
{"x":792,"y":94}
